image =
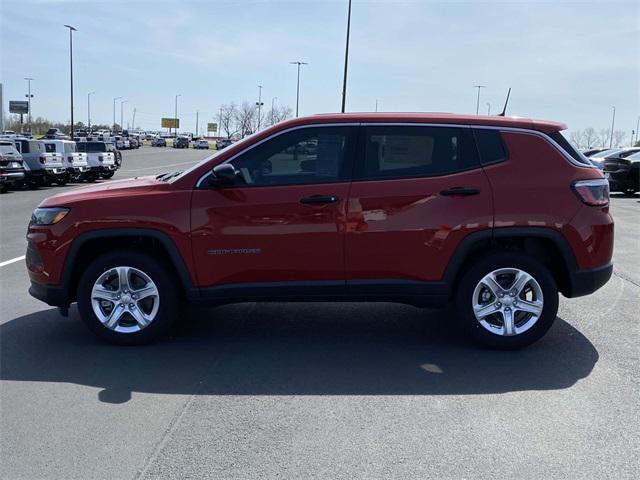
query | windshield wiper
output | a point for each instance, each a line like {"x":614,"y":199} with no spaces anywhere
{"x":167,"y":176}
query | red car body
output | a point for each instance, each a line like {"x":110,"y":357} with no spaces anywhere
{"x":403,"y":239}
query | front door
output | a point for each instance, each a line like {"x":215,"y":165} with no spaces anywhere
{"x":282,"y":222}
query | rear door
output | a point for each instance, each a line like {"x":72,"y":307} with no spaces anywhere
{"x":283,"y":220}
{"x":417,"y":192}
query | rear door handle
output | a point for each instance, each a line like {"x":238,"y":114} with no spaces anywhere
{"x":319,"y":199}
{"x":460,"y":191}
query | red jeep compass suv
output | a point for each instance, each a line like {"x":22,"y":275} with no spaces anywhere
{"x":495,"y":214}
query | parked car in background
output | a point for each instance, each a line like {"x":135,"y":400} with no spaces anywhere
{"x":158,"y":142}
{"x":134,"y":143}
{"x":623,"y":173}
{"x":44,"y":167}
{"x":181,"y":142}
{"x":201,"y":143}
{"x":116,"y":153}
{"x":223,"y":143}
{"x":593,"y":151}
{"x":101,"y":161}
{"x":11,"y":166}
{"x":75,"y":162}
{"x":54,"y":133}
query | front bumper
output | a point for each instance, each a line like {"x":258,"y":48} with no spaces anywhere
{"x":53,"y":295}
{"x":586,"y":281}
{"x":9,"y":176}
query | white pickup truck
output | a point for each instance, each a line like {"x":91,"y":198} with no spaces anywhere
{"x":75,"y":162}
{"x":43,"y":167}
{"x":102,"y":162}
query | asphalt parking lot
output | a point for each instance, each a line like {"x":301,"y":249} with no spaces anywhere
{"x":317,"y":390}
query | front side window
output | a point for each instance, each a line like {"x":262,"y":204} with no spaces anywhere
{"x":305,"y":156}
{"x":407,"y":152}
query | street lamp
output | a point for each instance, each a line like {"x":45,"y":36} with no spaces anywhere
{"x":478,"y":99}
{"x":89,"y":111}
{"x":175,"y":117}
{"x":71,"y":30}
{"x":121,"y":113}
{"x":346,"y":60}
{"x":273,"y":117}
{"x":298,"y":87}
{"x":114,"y":113}
{"x":259,"y":104}
{"x":613,"y":122}
{"x":29,"y":96}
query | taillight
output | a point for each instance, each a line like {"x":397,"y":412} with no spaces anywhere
{"x":593,"y":192}
{"x":70,"y":159}
{"x":101,"y":158}
{"x":43,"y":159}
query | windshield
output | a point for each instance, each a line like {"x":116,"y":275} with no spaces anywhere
{"x":8,"y":148}
{"x":606,"y":153}
{"x":634,"y":158}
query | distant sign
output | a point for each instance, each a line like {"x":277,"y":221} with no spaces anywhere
{"x":170,"y":123}
{"x":18,"y":106}
{"x":212,"y":127}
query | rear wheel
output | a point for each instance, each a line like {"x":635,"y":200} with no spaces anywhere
{"x":62,"y":179}
{"x":507,"y":300}
{"x":127,"y":298}
{"x":108,"y":174}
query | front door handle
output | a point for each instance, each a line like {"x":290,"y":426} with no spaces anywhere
{"x":319,"y":199}
{"x":460,"y":191}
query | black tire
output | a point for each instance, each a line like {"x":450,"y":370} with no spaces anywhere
{"x":489,"y":263}
{"x":3,"y":187}
{"x":91,"y":177}
{"x":108,"y":174}
{"x":62,"y":180}
{"x":168,"y":296}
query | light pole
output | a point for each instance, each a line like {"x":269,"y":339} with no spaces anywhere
{"x":71,"y":30}
{"x":259,"y":105}
{"x":273,"y":116}
{"x":613,"y":122}
{"x":478,"y":99}
{"x":114,"y":113}
{"x":637,"y":127}
{"x":220,"y":123}
{"x":28,"y":79}
{"x":298,"y":63}
{"x":346,"y":60}
{"x":488,"y":108}
{"x":121,"y":114}
{"x":376,"y":105}
{"x":197,"y":112}
{"x":89,"y":111}
{"x":175,"y":118}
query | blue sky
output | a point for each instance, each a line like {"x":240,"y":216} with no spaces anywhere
{"x":567,"y":61}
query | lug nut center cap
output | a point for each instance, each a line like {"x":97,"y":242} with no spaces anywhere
{"x":125,"y":299}
{"x":507,"y":301}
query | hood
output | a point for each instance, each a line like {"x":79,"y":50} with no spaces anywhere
{"x":112,"y":188}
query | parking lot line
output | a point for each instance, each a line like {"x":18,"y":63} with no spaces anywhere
{"x":13,"y":260}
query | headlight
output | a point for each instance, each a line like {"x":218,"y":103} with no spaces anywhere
{"x":48,"y":216}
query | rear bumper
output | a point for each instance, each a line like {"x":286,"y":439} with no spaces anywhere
{"x":584,"y":282}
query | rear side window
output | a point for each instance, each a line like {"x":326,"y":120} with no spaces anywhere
{"x":490,"y":145}
{"x":569,"y":148}
{"x":407,"y":152}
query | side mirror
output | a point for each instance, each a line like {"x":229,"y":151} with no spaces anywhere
{"x":224,"y":174}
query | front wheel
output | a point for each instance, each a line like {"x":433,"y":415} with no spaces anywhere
{"x":507,"y":300}
{"x":127,"y":298}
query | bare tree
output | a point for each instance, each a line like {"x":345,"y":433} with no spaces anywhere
{"x":603,"y":137}
{"x":618,"y":137}
{"x":590,"y":137}
{"x":228,"y":119}
{"x":576,"y":138}
{"x":278,"y":114}
{"x":246,"y":118}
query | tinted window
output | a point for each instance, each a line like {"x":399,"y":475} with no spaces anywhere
{"x":569,"y":148}
{"x":310,"y":155}
{"x":91,"y":147}
{"x":401,"y":152}
{"x":490,"y":145}
{"x":8,"y":148}
{"x":69,"y":147}
{"x":50,"y":147}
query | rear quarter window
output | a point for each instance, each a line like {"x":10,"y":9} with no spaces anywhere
{"x":491,"y":148}
{"x":569,"y":148}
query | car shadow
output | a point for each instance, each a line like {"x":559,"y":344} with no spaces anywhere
{"x":292,"y":349}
